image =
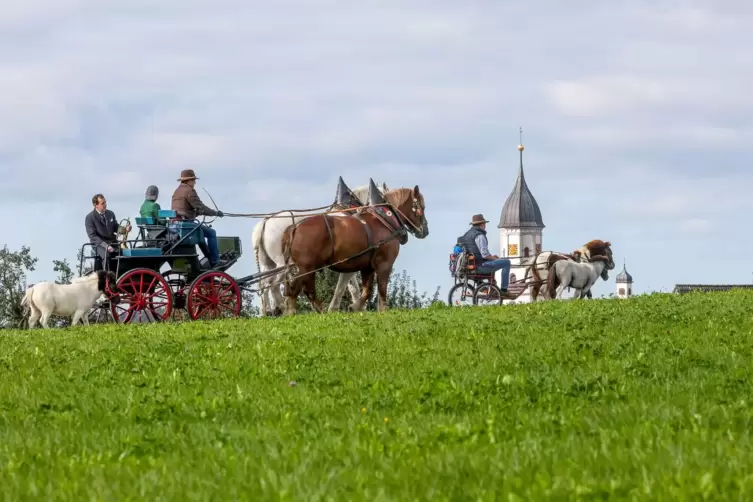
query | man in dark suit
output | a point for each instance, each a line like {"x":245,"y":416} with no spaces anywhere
{"x":103,"y":229}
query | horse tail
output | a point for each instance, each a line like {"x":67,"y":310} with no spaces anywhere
{"x":287,"y":242}
{"x":257,"y":238}
{"x":26,"y":300}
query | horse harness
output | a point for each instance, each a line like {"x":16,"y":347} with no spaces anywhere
{"x":384,"y":215}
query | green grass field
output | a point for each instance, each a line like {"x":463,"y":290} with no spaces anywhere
{"x":641,"y":399}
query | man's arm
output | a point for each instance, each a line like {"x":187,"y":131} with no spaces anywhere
{"x":483,"y":247}
{"x":91,"y":231}
{"x":199,"y":207}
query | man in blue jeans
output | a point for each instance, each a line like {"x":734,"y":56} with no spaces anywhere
{"x":187,"y":205}
{"x":476,"y":243}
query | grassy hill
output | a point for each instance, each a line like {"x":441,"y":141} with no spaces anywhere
{"x":648,"y":398}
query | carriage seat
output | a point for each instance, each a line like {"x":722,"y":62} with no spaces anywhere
{"x":473,"y":271}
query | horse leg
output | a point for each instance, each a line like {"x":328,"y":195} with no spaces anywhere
{"x":274,"y":291}
{"x":35,"y":314}
{"x":337,"y":296}
{"x":76,"y":318}
{"x":292,"y":290}
{"x":45,"y":318}
{"x":355,"y":296}
{"x":309,"y":289}
{"x":383,"y":276}
{"x":367,"y":279}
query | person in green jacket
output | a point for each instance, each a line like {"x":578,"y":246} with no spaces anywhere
{"x":150,"y":208}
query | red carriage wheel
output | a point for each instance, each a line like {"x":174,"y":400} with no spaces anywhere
{"x":146,"y":297}
{"x":213,"y":295}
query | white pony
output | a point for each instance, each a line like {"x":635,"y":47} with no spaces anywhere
{"x":267,"y":239}
{"x":578,"y":275}
{"x":74,"y":299}
{"x":595,"y":260}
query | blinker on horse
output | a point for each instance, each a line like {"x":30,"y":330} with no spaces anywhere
{"x":367,"y":242}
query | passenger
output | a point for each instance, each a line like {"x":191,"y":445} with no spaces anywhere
{"x":475,"y":242}
{"x":150,"y":208}
{"x":103,"y":229}
{"x":187,"y":205}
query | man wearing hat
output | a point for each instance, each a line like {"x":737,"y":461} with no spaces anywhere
{"x":475,"y":242}
{"x":187,"y":205}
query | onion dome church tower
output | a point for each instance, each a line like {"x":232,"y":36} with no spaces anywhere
{"x":624,"y":283}
{"x":520,"y":226}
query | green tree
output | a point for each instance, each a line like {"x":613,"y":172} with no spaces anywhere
{"x":63,"y":268}
{"x":14,"y":265}
{"x":402,"y":293}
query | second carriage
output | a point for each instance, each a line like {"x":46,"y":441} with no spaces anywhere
{"x":160,"y":272}
{"x":477,"y":287}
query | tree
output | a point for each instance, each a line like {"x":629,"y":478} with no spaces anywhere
{"x":402,"y":293}
{"x":14,"y":265}
{"x":63,"y":268}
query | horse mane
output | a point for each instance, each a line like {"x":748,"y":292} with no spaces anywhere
{"x":84,"y":278}
{"x":398,"y":196}
{"x":597,"y":243}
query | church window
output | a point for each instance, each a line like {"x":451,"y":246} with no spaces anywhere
{"x":512,"y":249}
{"x":622,"y":291}
{"x":630,"y":291}
{"x":538,"y":248}
{"x":526,"y":252}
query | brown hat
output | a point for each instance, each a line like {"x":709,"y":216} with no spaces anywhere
{"x":187,"y":174}
{"x":478,"y":219}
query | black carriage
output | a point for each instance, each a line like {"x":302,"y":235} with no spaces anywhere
{"x":160,"y":271}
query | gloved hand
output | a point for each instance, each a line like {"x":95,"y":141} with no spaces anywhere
{"x":220,"y":214}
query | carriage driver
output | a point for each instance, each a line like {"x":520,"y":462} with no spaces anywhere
{"x":476,"y":243}
{"x":103,"y":229}
{"x":187,"y":205}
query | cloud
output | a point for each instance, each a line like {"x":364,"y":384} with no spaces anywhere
{"x":635,"y":116}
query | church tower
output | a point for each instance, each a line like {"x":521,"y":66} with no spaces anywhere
{"x":520,"y":227}
{"x":624,"y":283}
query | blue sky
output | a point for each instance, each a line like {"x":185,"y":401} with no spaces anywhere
{"x":636,"y":116}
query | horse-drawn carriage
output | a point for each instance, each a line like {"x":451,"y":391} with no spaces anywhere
{"x":474,"y":286}
{"x":160,"y":271}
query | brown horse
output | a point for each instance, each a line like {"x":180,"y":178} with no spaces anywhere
{"x":367,"y":242}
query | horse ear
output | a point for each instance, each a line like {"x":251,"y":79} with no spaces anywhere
{"x":384,"y":185}
{"x":608,"y":244}
{"x":416,"y":191}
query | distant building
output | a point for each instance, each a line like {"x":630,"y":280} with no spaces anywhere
{"x":708,"y":288}
{"x":520,"y":226}
{"x":624,"y":283}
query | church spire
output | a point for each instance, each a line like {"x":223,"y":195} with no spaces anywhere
{"x":521,"y":209}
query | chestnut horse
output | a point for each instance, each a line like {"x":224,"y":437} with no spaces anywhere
{"x":367,"y":242}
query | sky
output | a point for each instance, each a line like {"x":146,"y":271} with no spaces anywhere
{"x":636,"y":120}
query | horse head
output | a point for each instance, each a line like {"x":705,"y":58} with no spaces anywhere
{"x":410,"y":206}
{"x":107,"y":283}
{"x":598,"y":247}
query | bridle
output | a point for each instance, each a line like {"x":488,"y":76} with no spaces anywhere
{"x":418,"y":209}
